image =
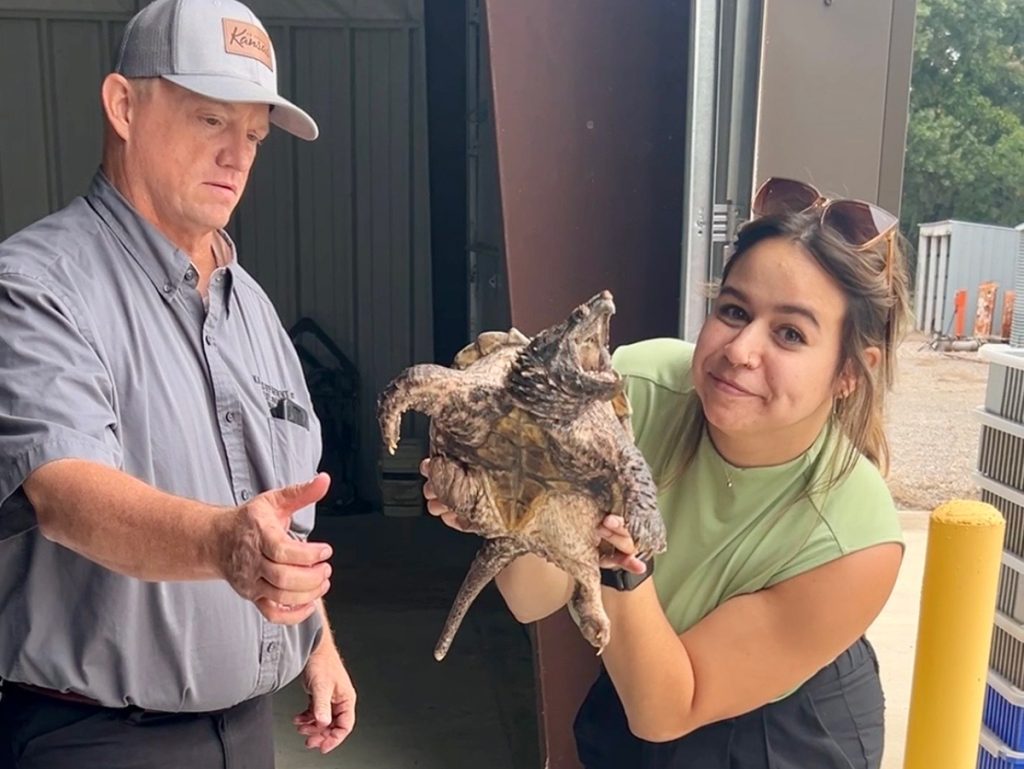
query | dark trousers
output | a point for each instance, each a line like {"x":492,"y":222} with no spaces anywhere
{"x":40,"y":732}
{"x":834,"y":721}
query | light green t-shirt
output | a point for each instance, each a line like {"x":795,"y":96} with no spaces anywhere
{"x":726,"y":540}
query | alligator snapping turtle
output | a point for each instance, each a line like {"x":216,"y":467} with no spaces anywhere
{"x":531,"y":447}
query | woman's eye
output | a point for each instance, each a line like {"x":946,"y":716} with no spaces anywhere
{"x":732,"y":312}
{"x":791,"y":336}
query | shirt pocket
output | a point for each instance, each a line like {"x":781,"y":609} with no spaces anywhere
{"x":292,"y":452}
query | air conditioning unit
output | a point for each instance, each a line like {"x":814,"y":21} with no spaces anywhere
{"x":1017,"y":331}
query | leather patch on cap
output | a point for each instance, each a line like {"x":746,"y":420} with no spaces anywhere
{"x":245,"y":39}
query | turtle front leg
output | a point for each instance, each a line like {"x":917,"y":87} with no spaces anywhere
{"x":424,"y":388}
{"x":641,"y":515}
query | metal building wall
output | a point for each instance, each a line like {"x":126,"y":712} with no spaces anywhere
{"x":589,"y":103}
{"x":337,"y":229}
{"x":835,"y":88}
{"x":955,"y":255}
{"x":53,"y":57}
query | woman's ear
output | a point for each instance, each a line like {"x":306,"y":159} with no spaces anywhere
{"x":846,"y":382}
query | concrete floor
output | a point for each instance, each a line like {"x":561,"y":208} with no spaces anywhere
{"x":394,"y":582}
{"x":894,"y":636}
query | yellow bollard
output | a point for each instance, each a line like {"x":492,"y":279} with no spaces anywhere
{"x":958,"y":598}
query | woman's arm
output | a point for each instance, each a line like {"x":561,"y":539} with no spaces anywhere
{"x":533,"y":588}
{"x":745,"y":653}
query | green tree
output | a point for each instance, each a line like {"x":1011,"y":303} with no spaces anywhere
{"x":965,"y":138}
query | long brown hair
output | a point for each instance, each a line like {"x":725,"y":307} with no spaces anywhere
{"x":874,"y":283}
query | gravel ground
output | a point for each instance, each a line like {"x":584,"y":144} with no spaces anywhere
{"x":932,"y":431}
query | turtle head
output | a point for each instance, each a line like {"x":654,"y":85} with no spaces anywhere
{"x":567,"y":366}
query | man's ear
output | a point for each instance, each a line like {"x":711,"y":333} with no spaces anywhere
{"x":118,"y":103}
{"x":846,"y":382}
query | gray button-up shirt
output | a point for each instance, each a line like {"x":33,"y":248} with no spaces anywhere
{"x":107,"y":353}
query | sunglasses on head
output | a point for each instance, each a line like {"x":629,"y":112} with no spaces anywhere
{"x":859,"y":223}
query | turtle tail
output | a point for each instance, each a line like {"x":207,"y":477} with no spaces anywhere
{"x":494,"y":556}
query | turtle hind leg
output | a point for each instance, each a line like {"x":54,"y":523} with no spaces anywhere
{"x":494,"y":556}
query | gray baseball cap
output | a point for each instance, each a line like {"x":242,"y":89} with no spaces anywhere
{"x":215,"y":48}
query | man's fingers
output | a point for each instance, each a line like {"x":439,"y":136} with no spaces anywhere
{"x":425,"y":467}
{"x":333,"y":739}
{"x":284,"y":615}
{"x":345,"y":721}
{"x":320,"y":703}
{"x":292,"y":597}
{"x":295,"y":578}
{"x":289,"y":499}
{"x":278,"y":547}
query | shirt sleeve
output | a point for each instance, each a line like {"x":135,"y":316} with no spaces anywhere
{"x":857,"y":515}
{"x":56,"y":395}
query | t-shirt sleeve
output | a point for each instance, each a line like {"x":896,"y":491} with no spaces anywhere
{"x":656,"y":377}
{"x":858,"y":514}
{"x":56,"y":394}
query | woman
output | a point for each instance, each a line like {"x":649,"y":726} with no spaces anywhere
{"x":745,"y":650}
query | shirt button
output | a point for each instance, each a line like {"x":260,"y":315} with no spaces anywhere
{"x":209,"y":340}
{"x":229,"y":416}
{"x":272,"y":647}
{"x":244,"y":494}
{"x":190,"y":275}
{"x":168,"y":288}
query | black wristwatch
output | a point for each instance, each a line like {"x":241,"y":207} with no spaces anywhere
{"x":620,"y":579}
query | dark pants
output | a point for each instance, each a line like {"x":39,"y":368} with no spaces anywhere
{"x":834,"y":721}
{"x":39,"y":732}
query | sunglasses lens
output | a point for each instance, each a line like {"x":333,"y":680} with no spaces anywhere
{"x":783,"y":196}
{"x":858,"y":222}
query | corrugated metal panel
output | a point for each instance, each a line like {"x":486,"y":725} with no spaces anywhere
{"x":1017,"y":334}
{"x":969,"y":255}
{"x":337,"y":229}
{"x":53,"y":57}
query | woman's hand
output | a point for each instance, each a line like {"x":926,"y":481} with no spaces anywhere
{"x":612,"y":531}
{"x":434,"y":505}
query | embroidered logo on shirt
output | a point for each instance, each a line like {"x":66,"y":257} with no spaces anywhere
{"x":244,"y":39}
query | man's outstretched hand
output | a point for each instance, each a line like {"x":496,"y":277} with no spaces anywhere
{"x":283,"y":576}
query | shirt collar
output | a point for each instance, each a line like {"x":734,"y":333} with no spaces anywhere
{"x":163,"y":263}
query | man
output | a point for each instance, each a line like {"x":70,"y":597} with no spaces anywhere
{"x":157,"y":438}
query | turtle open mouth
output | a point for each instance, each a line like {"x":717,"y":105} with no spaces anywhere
{"x":591,"y":337}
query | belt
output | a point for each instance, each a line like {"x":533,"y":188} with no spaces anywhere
{"x":78,"y":699}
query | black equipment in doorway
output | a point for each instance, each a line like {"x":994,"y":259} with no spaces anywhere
{"x":333,"y":382}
